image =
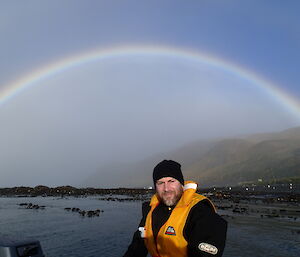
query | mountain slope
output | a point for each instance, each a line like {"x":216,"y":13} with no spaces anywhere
{"x":220,"y":162}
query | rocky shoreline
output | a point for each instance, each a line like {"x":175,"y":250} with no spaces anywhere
{"x":230,"y":202}
{"x":64,"y":191}
{"x":237,"y":192}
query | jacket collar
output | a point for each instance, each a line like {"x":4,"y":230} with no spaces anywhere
{"x":189,"y":188}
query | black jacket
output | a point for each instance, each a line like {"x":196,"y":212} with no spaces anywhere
{"x":203,"y":225}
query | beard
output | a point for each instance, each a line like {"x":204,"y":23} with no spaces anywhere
{"x":171,"y":198}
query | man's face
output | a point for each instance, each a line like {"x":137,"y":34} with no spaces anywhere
{"x":169,"y":190}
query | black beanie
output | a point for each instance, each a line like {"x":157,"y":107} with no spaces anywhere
{"x":168,"y":168}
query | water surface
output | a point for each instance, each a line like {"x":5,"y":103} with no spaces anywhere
{"x":66,"y":234}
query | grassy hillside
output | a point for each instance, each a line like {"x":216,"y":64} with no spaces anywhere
{"x":267,"y":160}
{"x":270,"y":157}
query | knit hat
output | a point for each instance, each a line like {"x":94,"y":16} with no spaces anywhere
{"x":168,"y":168}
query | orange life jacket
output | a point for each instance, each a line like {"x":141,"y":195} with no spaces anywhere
{"x":170,"y":241}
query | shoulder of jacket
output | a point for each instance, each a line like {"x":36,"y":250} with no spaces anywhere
{"x":203,"y":205}
{"x":203,"y":200}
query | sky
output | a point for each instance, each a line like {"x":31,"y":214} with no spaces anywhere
{"x":174,"y":72}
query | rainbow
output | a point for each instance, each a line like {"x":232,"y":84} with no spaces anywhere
{"x":14,"y":88}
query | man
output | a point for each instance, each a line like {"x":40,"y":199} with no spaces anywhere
{"x":178,"y":222}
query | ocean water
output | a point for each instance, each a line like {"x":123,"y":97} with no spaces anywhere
{"x":66,"y":234}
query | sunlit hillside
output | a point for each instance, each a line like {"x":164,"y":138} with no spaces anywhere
{"x":261,"y":157}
